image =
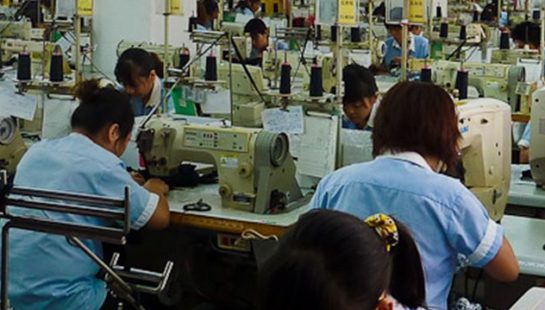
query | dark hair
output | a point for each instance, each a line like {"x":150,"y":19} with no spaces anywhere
{"x":101,"y":107}
{"x":417,"y":117}
{"x":359,"y":83}
{"x":527,"y":32}
{"x":246,"y":3}
{"x":134,"y":63}
{"x":254,"y":27}
{"x":210,"y":6}
{"x":333,"y":260}
{"x":490,"y":12}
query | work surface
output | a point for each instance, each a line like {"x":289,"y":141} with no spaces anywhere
{"x":223,"y":219}
{"x":524,"y":192}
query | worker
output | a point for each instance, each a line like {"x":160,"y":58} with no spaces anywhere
{"x":248,"y":7}
{"x":418,"y":47}
{"x":138,"y":72}
{"x":526,"y":35}
{"x":415,"y":138}
{"x":259,"y":33}
{"x":46,"y":271}
{"x":333,"y":260}
{"x":31,"y":10}
{"x":360,"y":97}
{"x":207,"y":13}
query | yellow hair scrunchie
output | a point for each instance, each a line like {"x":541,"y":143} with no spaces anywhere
{"x":385,"y":227}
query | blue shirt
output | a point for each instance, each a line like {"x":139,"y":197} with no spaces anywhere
{"x":418,"y":48}
{"x":347,"y":124}
{"x":45,"y":271}
{"x":244,"y":10}
{"x":141,"y":108}
{"x":449,"y":224}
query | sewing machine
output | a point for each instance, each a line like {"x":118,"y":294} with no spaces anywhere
{"x":255,"y":169}
{"x":158,"y":49}
{"x":537,"y":140}
{"x":12,"y":146}
{"x":491,"y":80}
{"x":485,"y":125}
{"x":247,"y":106}
{"x":512,"y":56}
{"x":475,"y":34}
{"x":37,"y":49}
{"x":16,"y":29}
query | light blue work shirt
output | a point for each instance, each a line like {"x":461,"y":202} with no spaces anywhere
{"x":418,"y":48}
{"x":45,"y":271}
{"x":449,"y":224}
{"x":158,"y":93}
{"x":524,"y":141}
{"x":347,"y":124}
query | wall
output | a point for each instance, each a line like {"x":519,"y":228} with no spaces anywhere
{"x":134,"y":20}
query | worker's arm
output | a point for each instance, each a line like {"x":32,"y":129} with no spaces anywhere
{"x":161,"y":217}
{"x":504,"y":266}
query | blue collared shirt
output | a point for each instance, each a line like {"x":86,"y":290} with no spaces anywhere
{"x":449,"y":224}
{"x":418,"y":48}
{"x":140,"y":108}
{"x":45,"y":271}
{"x":347,"y":124}
{"x":244,"y":10}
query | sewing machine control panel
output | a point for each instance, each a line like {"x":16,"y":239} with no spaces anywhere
{"x":217,"y":140}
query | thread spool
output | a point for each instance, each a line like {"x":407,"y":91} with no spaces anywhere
{"x":263,"y":8}
{"x":318,"y":32}
{"x":355,"y":34}
{"x":334,"y":33}
{"x":211,"y":73}
{"x":462,"y":80}
{"x":443,"y":31}
{"x":275,"y":8}
{"x":425,"y":75}
{"x":438,"y":12}
{"x":24,"y":67}
{"x":56,"y":73}
{"x":184,"y":58}
{"x":476,"y":16}
{"x":536,"y":15}
{"x":316,"y":85}
{"x":504,"y":41}
{"x":285,"y":79}
{"x":463,"y":32}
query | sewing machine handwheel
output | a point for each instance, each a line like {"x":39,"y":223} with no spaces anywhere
{"x":8,"y":127}
{"x":279,"y":149}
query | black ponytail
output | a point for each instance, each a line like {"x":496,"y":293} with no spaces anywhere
{"x":407,"y":284}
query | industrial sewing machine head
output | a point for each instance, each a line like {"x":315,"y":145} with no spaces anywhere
{"x":255,"y":169}
{"x":12,"y":147}
{"x":537,"y":138}
{"x":485,"y":125}
{"x":496,"y":81}
{"x":512,"y":56}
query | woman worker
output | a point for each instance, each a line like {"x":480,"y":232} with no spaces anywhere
{"x":360,"y":98}
{"x":416,"y":137}
{"x":140,"y":72}
{"x":47,"y":272}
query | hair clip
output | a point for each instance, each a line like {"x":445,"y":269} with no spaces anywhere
{"x":385,"y":227}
